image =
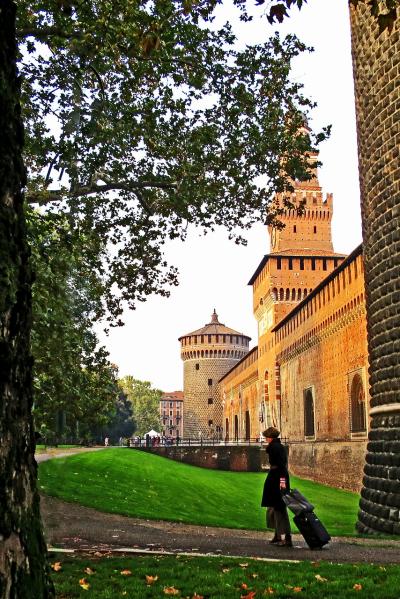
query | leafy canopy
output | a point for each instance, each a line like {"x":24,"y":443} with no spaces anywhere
{"x":145,"y":402}
{"x":142,"y":117}
{"x":72,"y":373}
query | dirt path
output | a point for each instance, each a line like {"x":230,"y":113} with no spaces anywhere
{"x":72,"y":526}
{"x":55,"y":452}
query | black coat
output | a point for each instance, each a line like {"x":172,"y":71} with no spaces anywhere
{"x":277,"y":455}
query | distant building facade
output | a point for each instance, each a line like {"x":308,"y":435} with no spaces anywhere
{"x":207,"y":354}
{"x":171,"y":414}
{"x":308,"y":374}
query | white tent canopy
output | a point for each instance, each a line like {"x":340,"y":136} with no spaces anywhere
{"x":153,"y":433}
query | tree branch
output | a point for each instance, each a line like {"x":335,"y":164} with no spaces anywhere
{"x":47,"y":197}
{"x":46,"y":32}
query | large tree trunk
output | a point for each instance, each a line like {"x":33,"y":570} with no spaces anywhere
{"x":23,"y":569}
{"x":376,"y":63}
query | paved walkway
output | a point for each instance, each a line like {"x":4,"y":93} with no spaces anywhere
{"x":72,"y":526}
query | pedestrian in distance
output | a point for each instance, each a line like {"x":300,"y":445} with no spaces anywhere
{"x":106,"y":441}
{"x":276,"y":484}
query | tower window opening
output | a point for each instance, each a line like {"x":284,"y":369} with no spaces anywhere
{"x":324,"y":264}
{"x":290,"y":264}
{"x":294,"y":229}
{"x":279,"y":264}
{"x":210,"y":401}
{"x":209,"y":338}
{"x":301,"y":263}
{"x":210,"y":423}
{"x":312,"y":263}
{"x":315,"y":229}
{"x":197,"y":366}
{"x":209,"y":382}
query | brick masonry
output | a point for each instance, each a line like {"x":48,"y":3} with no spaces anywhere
{"x":236,"y":458}
{"x":376,"y":64}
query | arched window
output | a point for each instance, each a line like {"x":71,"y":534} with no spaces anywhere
{"x":309,"y":427}
{"x":358,"y":421}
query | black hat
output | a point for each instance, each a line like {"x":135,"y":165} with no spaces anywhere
{"x":271,"y":433}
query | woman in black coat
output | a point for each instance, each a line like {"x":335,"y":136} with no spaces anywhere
{"x":276,"y":483}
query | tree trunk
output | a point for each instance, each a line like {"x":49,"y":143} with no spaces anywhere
{"x":23,"y":567}
{"x":376,"y":63}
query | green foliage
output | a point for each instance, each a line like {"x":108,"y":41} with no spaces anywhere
{"x":122,"y":423}
{"x":72,"y":374}
{"x":145,"y":403}
{"x":384,"y":11}
{"x":148,"y":486}
{"x":215,"y":577}
{"x":142,"y":117}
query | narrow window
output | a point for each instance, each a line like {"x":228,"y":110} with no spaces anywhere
{"x":301,"y":263}
{"x":312,"y":263}
{"x":197,"y":366}
{"x":324,"y":264}
{"x":210,"y":423}
{"x":209,"y":382}
{"x":309,"y":429}
{"x":279,"y":263}
{"x":290,"y":264}
{"x":315,"y":229}
{"x":210,"y":401}
{"x":294,"y":229}
{"x":358,"y":412}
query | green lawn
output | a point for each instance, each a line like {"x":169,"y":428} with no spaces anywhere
{"x":144,"y":485}
{"x":220,"y":578}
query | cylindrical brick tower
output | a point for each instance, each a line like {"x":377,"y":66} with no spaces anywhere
{"x":376,"y":61}
{"x":207,"y":353}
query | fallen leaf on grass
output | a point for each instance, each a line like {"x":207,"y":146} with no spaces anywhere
{"x":56,"y":566}
{"x":243,"y":565}
{"x":126,"y":573}
{"x":357,"y":587}
{"x":89,"y":571}
{"x":196,"y":596}
{"x":225,"y":570}
{"x":151,"y":579}
{"x":254,"y":575}
{"x":171,"y":591}
{"x":297,"y":589}
{"x":250,"y":595}
{"x":244,"y":586}
{"x":84,"y":584}
{"x":382,"y":568}
{"x":269,"y":591}
{"x":320,"y":578}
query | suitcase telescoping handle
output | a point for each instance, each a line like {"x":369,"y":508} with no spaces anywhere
{"x":296,"y":502}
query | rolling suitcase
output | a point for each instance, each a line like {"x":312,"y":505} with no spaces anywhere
{"x":312,"y":529}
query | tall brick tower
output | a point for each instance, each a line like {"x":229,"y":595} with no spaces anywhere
{"x":376,"y":62}
{"x":301,"y":256}
{"x":207,"y":353}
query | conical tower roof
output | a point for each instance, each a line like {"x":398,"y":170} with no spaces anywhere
{"x":214,"y":328}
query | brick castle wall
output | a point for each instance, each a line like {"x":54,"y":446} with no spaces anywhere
{"x":376,"y":63}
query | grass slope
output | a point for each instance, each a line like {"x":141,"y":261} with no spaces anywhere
{"x":221,"y":578}
{"x":142,"y":485}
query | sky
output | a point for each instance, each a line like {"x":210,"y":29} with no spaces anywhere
{"x":214,"y":272}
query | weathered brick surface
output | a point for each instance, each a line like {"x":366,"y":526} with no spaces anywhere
{"x":376,"y":62}
{"x":337,"y":463}
{"x":237,"y":458}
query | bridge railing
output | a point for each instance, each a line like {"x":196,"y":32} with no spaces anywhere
{"x":195,"y":442}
